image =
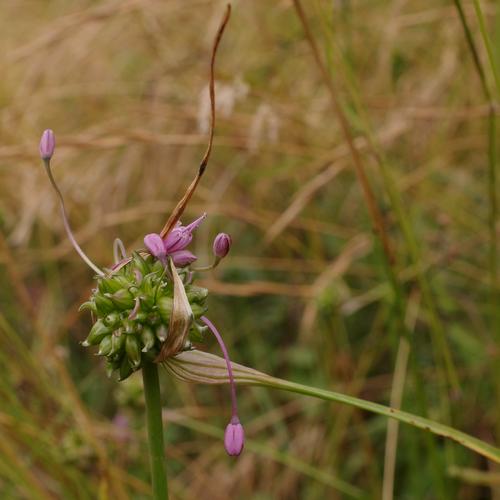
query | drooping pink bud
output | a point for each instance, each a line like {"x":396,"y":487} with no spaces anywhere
{"x":183,"y":258}
{"x":155,"y":245}
{"x":222,"y":245}
{"x":234,"y":437}
{"x":47,"y":144}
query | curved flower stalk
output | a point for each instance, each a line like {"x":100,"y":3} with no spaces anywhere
{"x":47,"y":147}
{"x":234,"y":437}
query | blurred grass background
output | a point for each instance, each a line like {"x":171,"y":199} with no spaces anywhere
{"x":306,"y":292}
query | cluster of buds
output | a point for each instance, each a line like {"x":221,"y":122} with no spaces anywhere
{"x":145,"y":307}
{"x":133,"y":307}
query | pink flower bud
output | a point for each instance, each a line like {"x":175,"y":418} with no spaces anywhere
{"x":178,"y":239}
{"x":181,"y":236}
{"x":222,"y":244}
{"x":47,"y":144}
{"x":155,"y":245}
{"x":234,"y":437}
{"x":183,"y":258}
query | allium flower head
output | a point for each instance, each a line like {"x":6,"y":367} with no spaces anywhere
{"x":135,"y":310}
{"x":145,"y":308}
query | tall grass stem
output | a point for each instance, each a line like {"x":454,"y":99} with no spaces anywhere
{"x":492,"y":159}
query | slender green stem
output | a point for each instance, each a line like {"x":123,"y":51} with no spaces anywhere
{"x":472,"y":47}
{"x":391,"y":440}
{"x":155,"y":430}
{"x":492,"y":165}
{"x":493,"y":216}
{"x":487,"y":43}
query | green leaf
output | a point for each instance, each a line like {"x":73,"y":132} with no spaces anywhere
{"x":202,"y":367}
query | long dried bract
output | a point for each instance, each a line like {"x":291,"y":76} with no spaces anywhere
{"x":180,"y":319}
{"x":179,"y":209}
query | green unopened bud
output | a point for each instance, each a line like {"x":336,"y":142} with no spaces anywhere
{"x":112,"y":319}
{"x":129,"y":326}
{"x":125,"y":369}
{"x":141,"y":264}
{"x":118,"y":340}
{"x":198,"y":332}
{"x":154,"y":319}
{"x":133,"y":350}
{"x":157,"y":267}
{"x":162,"y":333}
{"x":148,"y":338}
{"x":149,"y":289}
{"x":111,"y":366}
{"x":123,"y":300}
{"x":141,"y":316}
{"x":104,"y":304}
{"x":105,"y":346}
{"x":147,"y":302}
{"x":165,"y":306}
{"x":196,"y":293}
{"x":148,"y":284}
{"x":122,"y":281}
{"x":109,"y":285}
{"x":198,"y":310}
{"x":88,"y":306}
{"x":98,"y":331}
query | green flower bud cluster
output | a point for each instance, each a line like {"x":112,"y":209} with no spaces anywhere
{"x":132,"y":307}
